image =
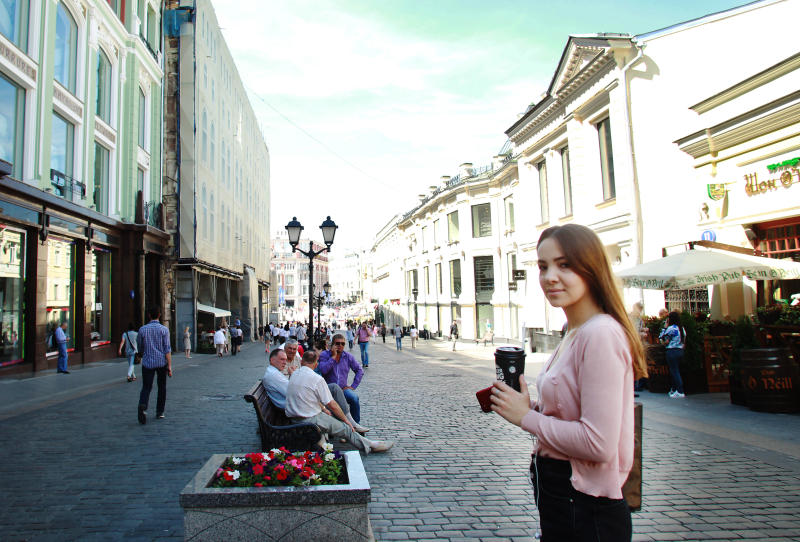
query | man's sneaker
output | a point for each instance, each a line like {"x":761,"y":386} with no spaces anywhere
{"x":160,"y":416}
{"x":142,"y":415}
{"x":672,"y":393}
{"x":381,"y":446}
{"x":678,"y":395}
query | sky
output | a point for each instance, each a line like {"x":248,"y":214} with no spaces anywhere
{"x":364,"y":104}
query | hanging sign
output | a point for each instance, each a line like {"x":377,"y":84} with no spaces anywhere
{"x":519,"y":274}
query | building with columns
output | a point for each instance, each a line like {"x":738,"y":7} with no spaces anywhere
{"x":80,"y":190}
{"x":347,"y":273}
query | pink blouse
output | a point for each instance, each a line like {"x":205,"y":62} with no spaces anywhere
{"x":587,"y":397}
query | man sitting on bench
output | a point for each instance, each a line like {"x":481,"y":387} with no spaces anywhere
{"x":276,"y":385}
{"x":307,"y":391}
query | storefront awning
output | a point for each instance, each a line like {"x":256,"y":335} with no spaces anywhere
{"x":218,"y":313}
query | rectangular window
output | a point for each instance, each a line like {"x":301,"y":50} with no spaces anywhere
{"x":142,"y":119}
{"x":544,"y":205}
{"x":152,"y":29}
{"x":606,"y":159}
{"x":12,"y":116}
{"x":12,"y":284}
{"x":101,"y":170}
{"x":484,"y":275}
{"x":61,"y":155}
{"x":481,"y":220}
{"x":455,"y":278}
{"x":567,"y":180}
{"x":103,"y":102}
{"x":426,"y":271}
{"x":14,"y":22}
{"x":424,"y":240}
{"x":439,"y":278}
{"x":60,"y":278}
{"x":436,"y":233}
{"x":100,"y":292}
{"x":509,"y":205}
{"x":452,"y":227}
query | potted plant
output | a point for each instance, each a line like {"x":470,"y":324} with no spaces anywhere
{"x":692,"y":367}
{"x":278,"y":495}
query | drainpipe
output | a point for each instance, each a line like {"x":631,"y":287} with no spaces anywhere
{"x":637,"y":199}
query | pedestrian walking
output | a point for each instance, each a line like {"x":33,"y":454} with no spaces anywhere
{"x":219,"y":340}
{"x":236,"y":339}
{"x":153,"y":343}
{"x":383,"y":332}
{"x":675,"y":337}
{"x":363,"y":343}
{"x":187,"y":343}
{"x":583,"y":417}
{"x":227,"y":333}
{"x":413,"y":333}
{"x":60,"y":337}
{"x":351,"y":336}
{"x":454,"y":334}
{"x":398,"y":336}
{"x":129,"y":348}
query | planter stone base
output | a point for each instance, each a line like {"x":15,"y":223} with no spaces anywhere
{"x":320,"y":513}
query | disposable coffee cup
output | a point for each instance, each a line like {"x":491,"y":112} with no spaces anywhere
{"x":509,"y":363}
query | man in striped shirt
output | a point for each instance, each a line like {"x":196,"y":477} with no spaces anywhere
{"x":153,"y":343}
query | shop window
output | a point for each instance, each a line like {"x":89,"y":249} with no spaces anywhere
{"x":455,"y":278}
{"x":692,"y":300}
{"x":452,"y":227}
{"x":544,"y":204}
{"x":606,"y":159}
{"x":12,"y":284}
{"x":485,"y":319}
{"x":61,"y":277}
{"x":103,"y":98}
{"x":481,"y":220}
{"x":14,"y":22}
{"x":101,"y":171}
{"x":100,"y":293}
{"x":12,"y":120}
{"x":66,"y":49}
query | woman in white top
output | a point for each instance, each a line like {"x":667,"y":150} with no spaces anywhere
{"x":413,"y":333}
{"x":187,"y":342}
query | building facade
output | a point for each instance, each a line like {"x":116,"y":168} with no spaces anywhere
{"x":347,"y":276}
{"x":80,"y":134}
{"x":216,"y":181}
{"x":291,"y":277}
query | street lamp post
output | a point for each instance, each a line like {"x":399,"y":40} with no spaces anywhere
{"x":320,"y":300}
{"x":415,"y":292}
{"x":294,"y":229}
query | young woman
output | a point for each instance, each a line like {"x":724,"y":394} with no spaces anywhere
{"x":582,"y":419}
{"x":129,"y":347}
{"x":675,"y":337}
{"x":187,"y":342}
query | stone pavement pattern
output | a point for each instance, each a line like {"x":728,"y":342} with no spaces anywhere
{"x":82,"y":468}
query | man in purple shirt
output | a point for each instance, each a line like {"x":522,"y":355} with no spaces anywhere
{"x":153,"y":343}
{"x":335,"y":365}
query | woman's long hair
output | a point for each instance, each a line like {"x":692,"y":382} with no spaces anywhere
{"x":587,"y":257}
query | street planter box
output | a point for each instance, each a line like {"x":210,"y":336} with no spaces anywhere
{"x":290,"y":514}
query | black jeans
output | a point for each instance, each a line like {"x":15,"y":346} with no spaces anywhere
{"x":566,"y":514}
{"x":147,"y":386}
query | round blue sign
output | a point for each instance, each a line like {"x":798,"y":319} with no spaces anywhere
{"x":708,"y":235}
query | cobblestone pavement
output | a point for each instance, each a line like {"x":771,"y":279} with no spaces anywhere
{"x":78,"y":466}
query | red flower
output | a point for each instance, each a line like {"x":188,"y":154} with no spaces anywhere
{"x":227,"y":475}
{"x":258,"y":484}
{"x":258,"y":469}
{"x":281,"y":475}
{"x":267,"y":478}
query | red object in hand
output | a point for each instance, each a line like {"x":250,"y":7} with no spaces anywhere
{"x":485,"y":399}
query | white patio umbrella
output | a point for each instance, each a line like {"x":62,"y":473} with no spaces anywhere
{"x":703,"y":267}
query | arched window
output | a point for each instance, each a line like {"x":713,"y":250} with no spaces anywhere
{"x":142,"y":119}
{"x":14,"y":22}
{"x":66,"y":51}
{"x":103,"y":102}
{"x":205,"y":137}
{"x":212,"y":224}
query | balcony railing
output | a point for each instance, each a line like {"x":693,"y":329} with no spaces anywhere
{"x":66,"y":186}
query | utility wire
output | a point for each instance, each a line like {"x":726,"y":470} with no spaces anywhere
{"x":320,"y":143}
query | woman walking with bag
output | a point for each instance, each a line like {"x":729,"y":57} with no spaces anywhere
{"x":674,"y":336}
{"x":582,"y":420}
{"x":128,"y":346}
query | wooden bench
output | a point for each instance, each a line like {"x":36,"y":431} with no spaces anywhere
{"x":276,"y":429}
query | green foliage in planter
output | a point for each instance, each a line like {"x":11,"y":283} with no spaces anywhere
{"x":654,"y":324}
{"x":693,"y":349}
{"x":720,"y":328}
{"x":742,"y":336}
{"x":769,"y":315}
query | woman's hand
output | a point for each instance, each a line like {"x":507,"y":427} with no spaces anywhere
{"x":509,"y":403}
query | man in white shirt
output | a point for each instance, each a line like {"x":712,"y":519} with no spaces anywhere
{"x":274,"y":381}
{"x":219,"y":340}
{"x":307,"y":391}
{"x":301,"y":334}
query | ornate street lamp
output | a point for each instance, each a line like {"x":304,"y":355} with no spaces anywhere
{"x":414,"y":292}
{"x":294,"y":229}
